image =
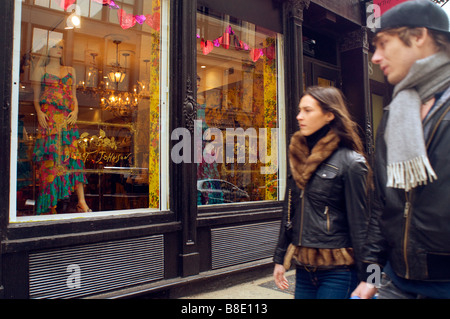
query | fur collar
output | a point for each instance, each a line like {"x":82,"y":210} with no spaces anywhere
{"x":304,"y":163}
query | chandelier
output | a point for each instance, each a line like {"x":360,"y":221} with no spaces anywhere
{"x":121,"y":104}
{"x":117,"y":73}
{"x":92,"y":72}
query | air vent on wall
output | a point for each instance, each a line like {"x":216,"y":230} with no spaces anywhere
{"x":239,"y":244}
{"x":84,"y":270}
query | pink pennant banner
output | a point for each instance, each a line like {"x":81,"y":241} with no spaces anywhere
{"x":255,"y":54}
{"x":224,"y":40}
{"x":206,"y":46}
{"x":65,"y":4}
{"x":153,"y":20}
{"x":109,"y":3}
{"x":128,"y":20}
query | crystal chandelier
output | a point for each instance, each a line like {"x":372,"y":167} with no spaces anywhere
{"x":121,"y":104}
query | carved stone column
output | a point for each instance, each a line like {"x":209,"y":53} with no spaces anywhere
{"x":184,"y":195}
{"x":296,"y":7}
{"x":293,"y":21}
{"x":354,"y":48}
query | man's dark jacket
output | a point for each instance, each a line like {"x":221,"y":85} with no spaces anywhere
{"x":416,"y":241}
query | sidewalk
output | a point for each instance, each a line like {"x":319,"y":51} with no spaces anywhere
{"x":261,"y":288}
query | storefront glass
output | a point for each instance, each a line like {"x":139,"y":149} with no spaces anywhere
{"x":239,"y":128}
{"x":91,"y":97}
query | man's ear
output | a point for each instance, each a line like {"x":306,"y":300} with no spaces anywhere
{"x":424,"y":42}
{"x":420,"y":39}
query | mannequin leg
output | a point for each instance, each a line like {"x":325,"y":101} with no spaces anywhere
{"x":82,"y":205}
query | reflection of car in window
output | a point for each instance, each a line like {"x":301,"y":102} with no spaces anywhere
{"x":219,"y":191}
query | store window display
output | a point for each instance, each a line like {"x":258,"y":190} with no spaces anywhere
{"x":90,"y":108}
{"x":239,"y":111}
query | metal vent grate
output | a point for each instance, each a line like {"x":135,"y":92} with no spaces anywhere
{"x":89,"y":269}
{"x":239,"y":244}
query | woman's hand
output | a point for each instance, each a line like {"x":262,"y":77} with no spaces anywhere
{"x":72,"y":117}
{"x":42,"y":119}
{"x":278,"y":276}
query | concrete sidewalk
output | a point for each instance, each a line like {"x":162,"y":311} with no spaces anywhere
{"x":259,"y":288}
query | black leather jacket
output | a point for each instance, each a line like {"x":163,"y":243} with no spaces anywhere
{"x":332,"y":211}
{"x":416,"y":241}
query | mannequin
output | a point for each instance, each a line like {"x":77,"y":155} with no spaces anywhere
{"x":56,"y":150}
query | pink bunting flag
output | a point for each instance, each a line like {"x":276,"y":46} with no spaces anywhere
{"x":65,"y":4}
{"x":206,"y":46}
{"x":109,"y":3}
{"x":153,"y":20}
{"x":255,"y":54}
{"x":126,"y":20}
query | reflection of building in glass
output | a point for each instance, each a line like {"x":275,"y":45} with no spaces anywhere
{"x":100,"y":45}
{"x":238,"y":71}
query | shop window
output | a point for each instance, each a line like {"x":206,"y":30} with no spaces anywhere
{"x":90,"y":95}
{"x":239,"y":136}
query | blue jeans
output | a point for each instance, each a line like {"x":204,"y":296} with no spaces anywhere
{"x":394,"y":287}
{"x":325,"y":284}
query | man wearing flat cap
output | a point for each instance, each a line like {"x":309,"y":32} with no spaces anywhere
{"x":409,"y":230}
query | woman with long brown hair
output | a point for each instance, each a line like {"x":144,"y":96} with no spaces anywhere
{"x":325,"y":215}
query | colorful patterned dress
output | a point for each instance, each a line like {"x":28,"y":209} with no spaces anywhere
{"x":56,"y":151}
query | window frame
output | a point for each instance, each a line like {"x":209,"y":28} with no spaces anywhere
{"x":281,"y":138}
{"x":164,"y":155}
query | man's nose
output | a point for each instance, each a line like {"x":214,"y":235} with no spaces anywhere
{"x":376,"y":58}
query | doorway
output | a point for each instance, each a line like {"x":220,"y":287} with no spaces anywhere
{"x":319,"y":73}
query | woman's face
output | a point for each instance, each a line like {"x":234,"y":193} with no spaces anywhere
{"x":311,"y":118}
{"x":56,"y":50}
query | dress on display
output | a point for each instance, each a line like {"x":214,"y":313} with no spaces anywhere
{"x":56,"y":153}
